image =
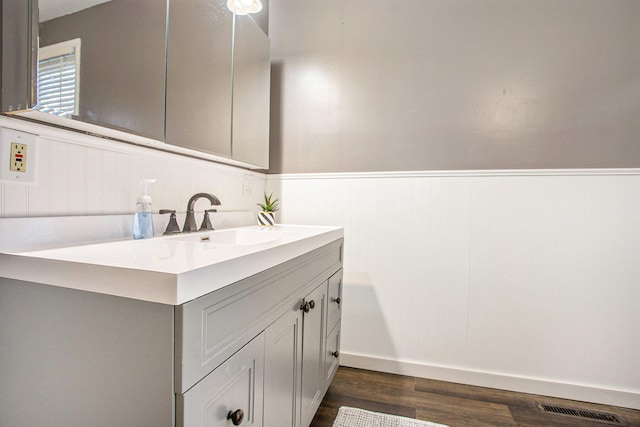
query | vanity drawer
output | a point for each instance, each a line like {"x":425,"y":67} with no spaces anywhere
{"x":334,"y":311}
{"x":212,"y":328}
{"x":234,"y":389}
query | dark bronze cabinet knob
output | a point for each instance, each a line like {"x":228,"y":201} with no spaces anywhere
{"x":306,"y":306}
{"x":236,"y":416}
{"x":335,"y":354}
{"x":336,"y":300}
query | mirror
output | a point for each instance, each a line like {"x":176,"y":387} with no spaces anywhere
{"x":199,"y":79}
{"x":102,"y":62}
{"x":251,"y":92}
{"x":218,"y":81}
{"x":124,"y":86}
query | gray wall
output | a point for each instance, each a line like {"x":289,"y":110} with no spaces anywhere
{"x":374,"y":85}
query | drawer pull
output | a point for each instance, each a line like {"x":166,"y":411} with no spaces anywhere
{"x":336,"y":300}
{"x":312,"y":304}
{"x":335,"y":354}
{"x":236,"y":416}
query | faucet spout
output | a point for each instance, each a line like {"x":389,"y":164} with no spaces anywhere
{"x":190,"y":220}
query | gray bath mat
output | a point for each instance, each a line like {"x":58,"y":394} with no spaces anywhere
{"x":353,"y":417}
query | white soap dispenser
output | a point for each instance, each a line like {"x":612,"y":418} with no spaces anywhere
{"x":143,"y":221}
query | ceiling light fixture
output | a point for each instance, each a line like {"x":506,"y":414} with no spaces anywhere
{"x":244,"y":7}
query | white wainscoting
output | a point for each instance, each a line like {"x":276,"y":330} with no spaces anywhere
{"x":523,"y":280}
{"x":83,"y":175}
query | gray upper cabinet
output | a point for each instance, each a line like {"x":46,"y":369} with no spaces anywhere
{"x":218,"y":82}
{"x":145,"y":72}
{"x":199,"y":79}
{"x":251,"y":93}
{"x":100,"y":64}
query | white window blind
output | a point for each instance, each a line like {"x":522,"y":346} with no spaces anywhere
{"x":59,"y":78}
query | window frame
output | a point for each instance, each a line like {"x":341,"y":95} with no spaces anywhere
{"x":68,"y":47}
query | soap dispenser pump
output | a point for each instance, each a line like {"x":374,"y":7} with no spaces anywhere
{"x":143,"y":221}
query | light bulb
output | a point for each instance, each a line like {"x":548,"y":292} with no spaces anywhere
{"x":243,"y":7}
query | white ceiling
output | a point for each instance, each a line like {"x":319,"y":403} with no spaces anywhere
{"x":50,"y":9}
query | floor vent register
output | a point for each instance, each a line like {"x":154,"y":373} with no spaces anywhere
{"x":595,"y":416}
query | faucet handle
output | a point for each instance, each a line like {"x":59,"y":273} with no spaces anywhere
{"x":206,"y":222}
{"x":172,"y":227}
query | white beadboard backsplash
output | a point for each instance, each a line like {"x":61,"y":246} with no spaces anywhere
{"x":84,"y":175}
{"x":528,"y":280}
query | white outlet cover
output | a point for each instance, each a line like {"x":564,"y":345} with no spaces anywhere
{"x":246,"y":185}
{"x":8,"y":136}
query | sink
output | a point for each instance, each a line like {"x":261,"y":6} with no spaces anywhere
{"x":168,"y":269}
{"x":239,"y":237}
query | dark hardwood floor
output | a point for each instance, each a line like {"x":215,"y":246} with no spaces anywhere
{"x":455,"y":405}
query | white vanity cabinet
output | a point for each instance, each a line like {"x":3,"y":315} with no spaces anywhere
{"x":260,"y":346}
{"x":253,"y":353}
{"x":297,"y":350}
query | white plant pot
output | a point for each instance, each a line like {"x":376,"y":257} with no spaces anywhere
{"x":266,"y":219}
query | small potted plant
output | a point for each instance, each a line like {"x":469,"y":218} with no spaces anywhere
{"x":266,"y":218}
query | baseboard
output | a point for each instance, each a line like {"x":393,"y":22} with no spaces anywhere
{"x":622,"y":398}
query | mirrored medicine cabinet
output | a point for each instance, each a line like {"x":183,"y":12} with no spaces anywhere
{"x":181,"y":75}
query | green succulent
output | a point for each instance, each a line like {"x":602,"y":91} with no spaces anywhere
{"x":269,"y":205}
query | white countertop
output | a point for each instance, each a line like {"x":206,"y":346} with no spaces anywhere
{"x":167,"y":269}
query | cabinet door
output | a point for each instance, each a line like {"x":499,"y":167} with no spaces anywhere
{"x":198,"y":103}
{"x":313,"y":347}
{"x":283,"y":341}
{"x":334,"y":311}
{"x":251,"y":93}
{"x":234,"y":387}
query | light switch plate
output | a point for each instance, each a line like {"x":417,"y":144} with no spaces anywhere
{"x":18,"y":148}
{"x":246,"y":185}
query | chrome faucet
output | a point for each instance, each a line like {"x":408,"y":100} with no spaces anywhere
{"x":190,"y":221}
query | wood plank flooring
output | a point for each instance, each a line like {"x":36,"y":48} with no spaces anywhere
{"x":455,"y":405}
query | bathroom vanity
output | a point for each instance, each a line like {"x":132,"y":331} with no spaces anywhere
{"x":230,"y":327}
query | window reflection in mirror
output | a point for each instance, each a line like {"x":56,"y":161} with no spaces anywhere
{"x":59,"y":78}
{"x":121,"y":67}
